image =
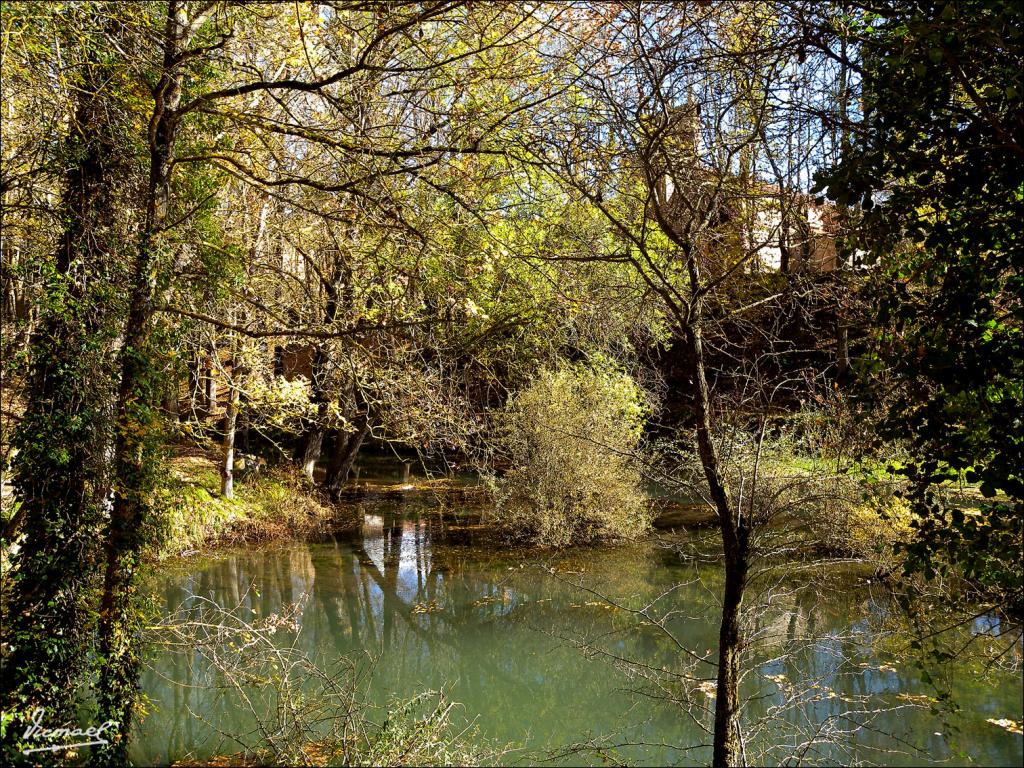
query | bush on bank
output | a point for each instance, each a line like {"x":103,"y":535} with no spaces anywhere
{"x":571,"y":440}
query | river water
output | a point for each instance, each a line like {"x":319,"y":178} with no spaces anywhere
{"x":537,"y":660}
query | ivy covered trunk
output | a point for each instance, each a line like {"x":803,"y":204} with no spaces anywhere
{"x":137,"y":421}
{"x":59,"y":470}
{"x":126,"y":538}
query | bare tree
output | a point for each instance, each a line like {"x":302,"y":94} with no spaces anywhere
{"x":672,"y":143}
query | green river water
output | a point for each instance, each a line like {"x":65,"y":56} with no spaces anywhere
{"x":501,"y":630}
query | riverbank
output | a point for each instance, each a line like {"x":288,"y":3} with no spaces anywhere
{"x":280,"y":504}
{"x":276,"y":504}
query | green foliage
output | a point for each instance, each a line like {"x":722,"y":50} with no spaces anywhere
{"x":61,"y":470}
{"x":571,"y":438}
{"x":943,"y":85}
{"x":190,"y":513}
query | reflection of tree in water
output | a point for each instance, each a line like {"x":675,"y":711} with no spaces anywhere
{"x":379,"y":590}
{"x":440,"y":610}
{"x":183,"y":690}
{"x":405,"y":592}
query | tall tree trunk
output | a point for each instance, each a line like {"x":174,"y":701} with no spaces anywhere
{"x":227,"y":468}
{"x":727,"y":749}
{"x":842,"y":348}
{"x":243,"y":425}
{"x":210,"y":383}
{"x":346,"y":448}
{"x":785,"y":262}
{"x":59,"y":470}
{"x":118,"y":641}
{"x":311,"y":445}
{"x":195,"y":386}
{"x":171,"y":397}
{"x":727,"y":746}
{"x":689,"y":316}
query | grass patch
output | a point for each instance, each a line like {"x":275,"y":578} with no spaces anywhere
{"x":278,"y":504}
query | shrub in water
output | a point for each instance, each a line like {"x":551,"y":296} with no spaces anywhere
{"x":571,"y":439}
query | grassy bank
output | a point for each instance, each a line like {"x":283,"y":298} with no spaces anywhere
{"x":278,"y":503}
